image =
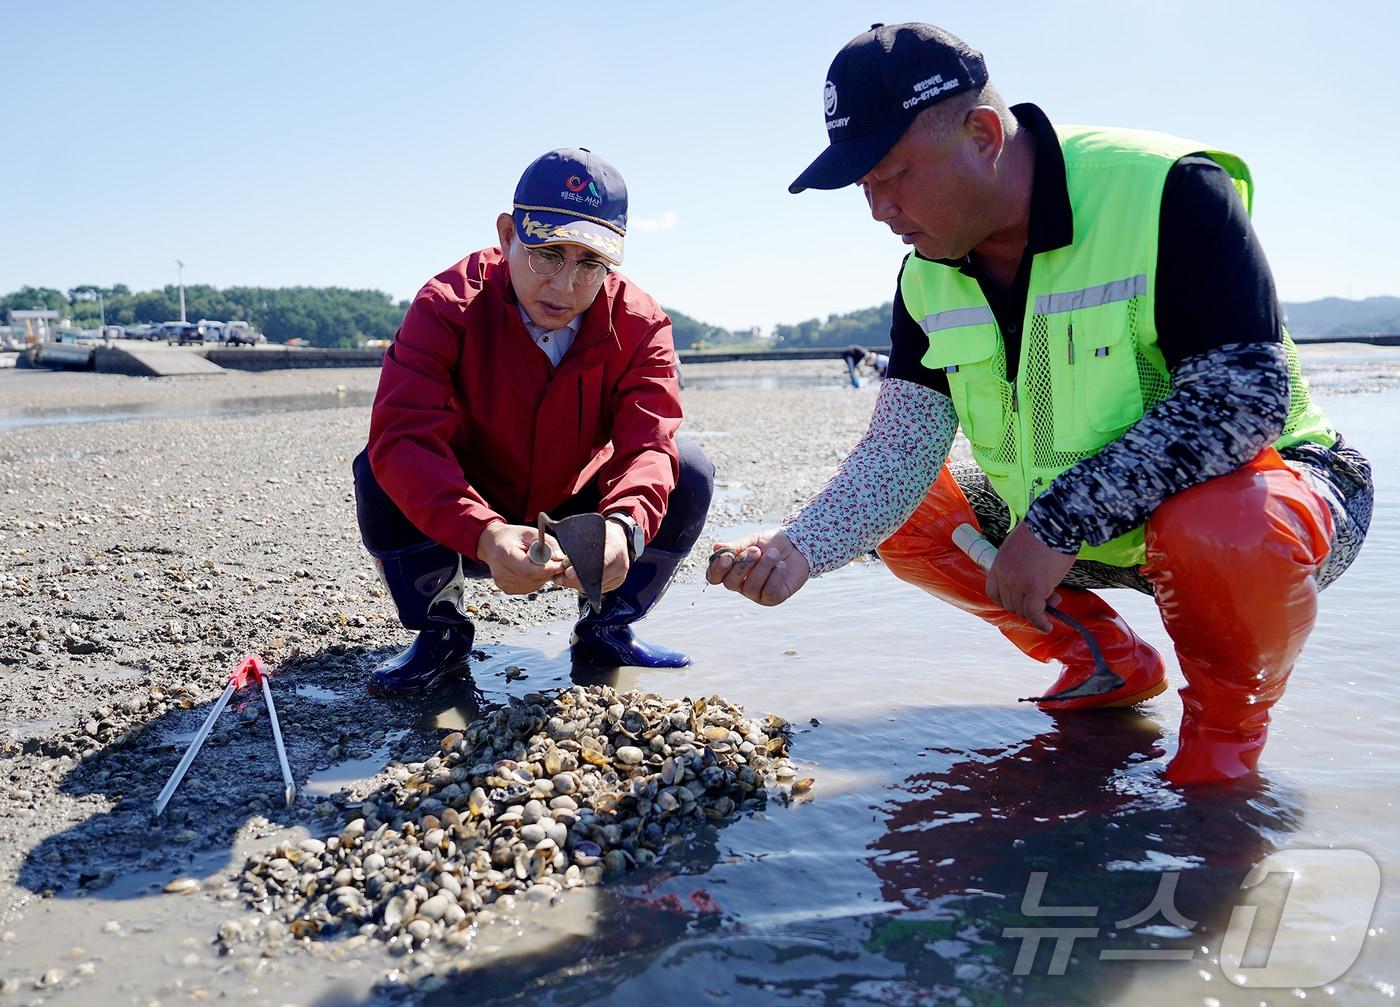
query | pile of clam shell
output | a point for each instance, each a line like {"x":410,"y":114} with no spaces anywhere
{"x":550,"y":792}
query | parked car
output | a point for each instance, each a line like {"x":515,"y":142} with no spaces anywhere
{"x":180,"y":333}
{"x":242,"y":334}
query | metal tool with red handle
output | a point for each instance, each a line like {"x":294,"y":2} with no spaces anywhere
{"x":250,"y":669}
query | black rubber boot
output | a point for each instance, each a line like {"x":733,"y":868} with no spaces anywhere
{"x":605,"y":639}
{"x":435,"y":656}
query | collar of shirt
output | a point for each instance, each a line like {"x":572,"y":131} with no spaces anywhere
{"x":1052,"y":220}
{"x":547,"y":338}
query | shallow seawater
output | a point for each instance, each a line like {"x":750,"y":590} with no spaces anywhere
{"x":342,"y":774}
{"x":947,"y":823}
{"x":43,"y":416}
{"x":939,"y":800}
{"x":713,"y":376}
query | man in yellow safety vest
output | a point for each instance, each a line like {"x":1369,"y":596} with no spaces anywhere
{"x":1092,"y":308}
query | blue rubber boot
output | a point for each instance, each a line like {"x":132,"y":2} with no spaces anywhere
{"x":435,"y":656}
{"x":605,"y":639}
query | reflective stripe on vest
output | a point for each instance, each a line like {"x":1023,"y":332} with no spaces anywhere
{"x":1092,"y":297}
{"x":957,"y":319}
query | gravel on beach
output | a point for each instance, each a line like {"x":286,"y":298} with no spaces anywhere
{"x":140,"y":558}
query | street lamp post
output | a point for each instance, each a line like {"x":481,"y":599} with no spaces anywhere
{"x":181,"y":266}
{"x":101,"y":311}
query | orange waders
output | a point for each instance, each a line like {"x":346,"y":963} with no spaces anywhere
{"x":1232,"y":562}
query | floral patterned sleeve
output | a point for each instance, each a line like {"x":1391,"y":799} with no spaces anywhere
{"x":881,"y":481}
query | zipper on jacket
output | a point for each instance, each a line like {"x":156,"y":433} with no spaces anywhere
{"x":1071,"y":342}
{"x":578,"y":430}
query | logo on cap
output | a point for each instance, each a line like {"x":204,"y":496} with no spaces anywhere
{"x":576,"y":184}
{"x":829,"y":96}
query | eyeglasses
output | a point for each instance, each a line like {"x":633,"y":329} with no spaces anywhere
{"x":587,"y":272}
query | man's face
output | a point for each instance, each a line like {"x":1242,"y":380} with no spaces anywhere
{"x":552,"y":302}
{"x":934,"y":193}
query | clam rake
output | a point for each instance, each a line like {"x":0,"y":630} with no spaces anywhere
{"x":250,"y":669}
{"x":1103,"y":680}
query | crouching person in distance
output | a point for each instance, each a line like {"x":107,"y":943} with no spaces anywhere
{"x":530,"y":377}
{"x":1092,"y":307}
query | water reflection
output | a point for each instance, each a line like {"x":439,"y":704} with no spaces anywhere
{"x":773,"y":907}
{"x":1068,"y":839}
{"x":937,"y":802}
{"x":836,"y":381}
{"x":46,"y":416}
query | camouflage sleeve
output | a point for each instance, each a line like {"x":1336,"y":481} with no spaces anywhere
{"x":881,"y":481}
{"x":1226,"y":405}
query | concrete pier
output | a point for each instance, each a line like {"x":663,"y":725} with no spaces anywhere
{"x":159,"y":360}
{"x":150,"y":360}
{"x":271,"y":358}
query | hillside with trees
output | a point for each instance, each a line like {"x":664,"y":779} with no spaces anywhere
{"x":320,"y":316}
{"x":1334,"y":316}
{"x":338,"y":317}
{"x":689,"y":333}
{"x":866,"y":327}
{"x":1329,"y":317}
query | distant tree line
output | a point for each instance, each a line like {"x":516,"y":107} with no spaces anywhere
{"x":866,"y":327}
{"x":335,"y":316}
{"x":321,"y":316}
{"x":1334,"y":316}
{"x":689,"y":333}
{"x":1331,"y":316}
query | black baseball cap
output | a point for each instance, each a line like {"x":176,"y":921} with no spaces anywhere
{"x":877,"y":84}
{"x":571,"y":195}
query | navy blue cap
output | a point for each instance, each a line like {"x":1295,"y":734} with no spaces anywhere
{"x":572,"y":195}
{"x":877,"y":84}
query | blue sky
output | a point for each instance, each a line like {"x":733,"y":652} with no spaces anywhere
{"x":372,"y":145}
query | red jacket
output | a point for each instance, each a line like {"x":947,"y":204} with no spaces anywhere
{"x":472,"y":423}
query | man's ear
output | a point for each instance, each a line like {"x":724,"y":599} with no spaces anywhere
{"x":983,"y":125}
{"x":505,"y":230}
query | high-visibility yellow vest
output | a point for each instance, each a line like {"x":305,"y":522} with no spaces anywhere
{"x":1089,"y":365}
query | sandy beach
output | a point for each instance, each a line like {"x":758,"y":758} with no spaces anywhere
{"x":140,"y":557}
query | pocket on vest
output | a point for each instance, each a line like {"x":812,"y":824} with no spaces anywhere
{"x":967,"y":356}
{"x":1095,"y":391}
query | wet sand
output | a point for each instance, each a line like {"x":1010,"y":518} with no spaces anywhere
{"x":139,"y":558}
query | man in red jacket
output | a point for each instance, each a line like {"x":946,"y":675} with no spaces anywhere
{"x":530,"y":377}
